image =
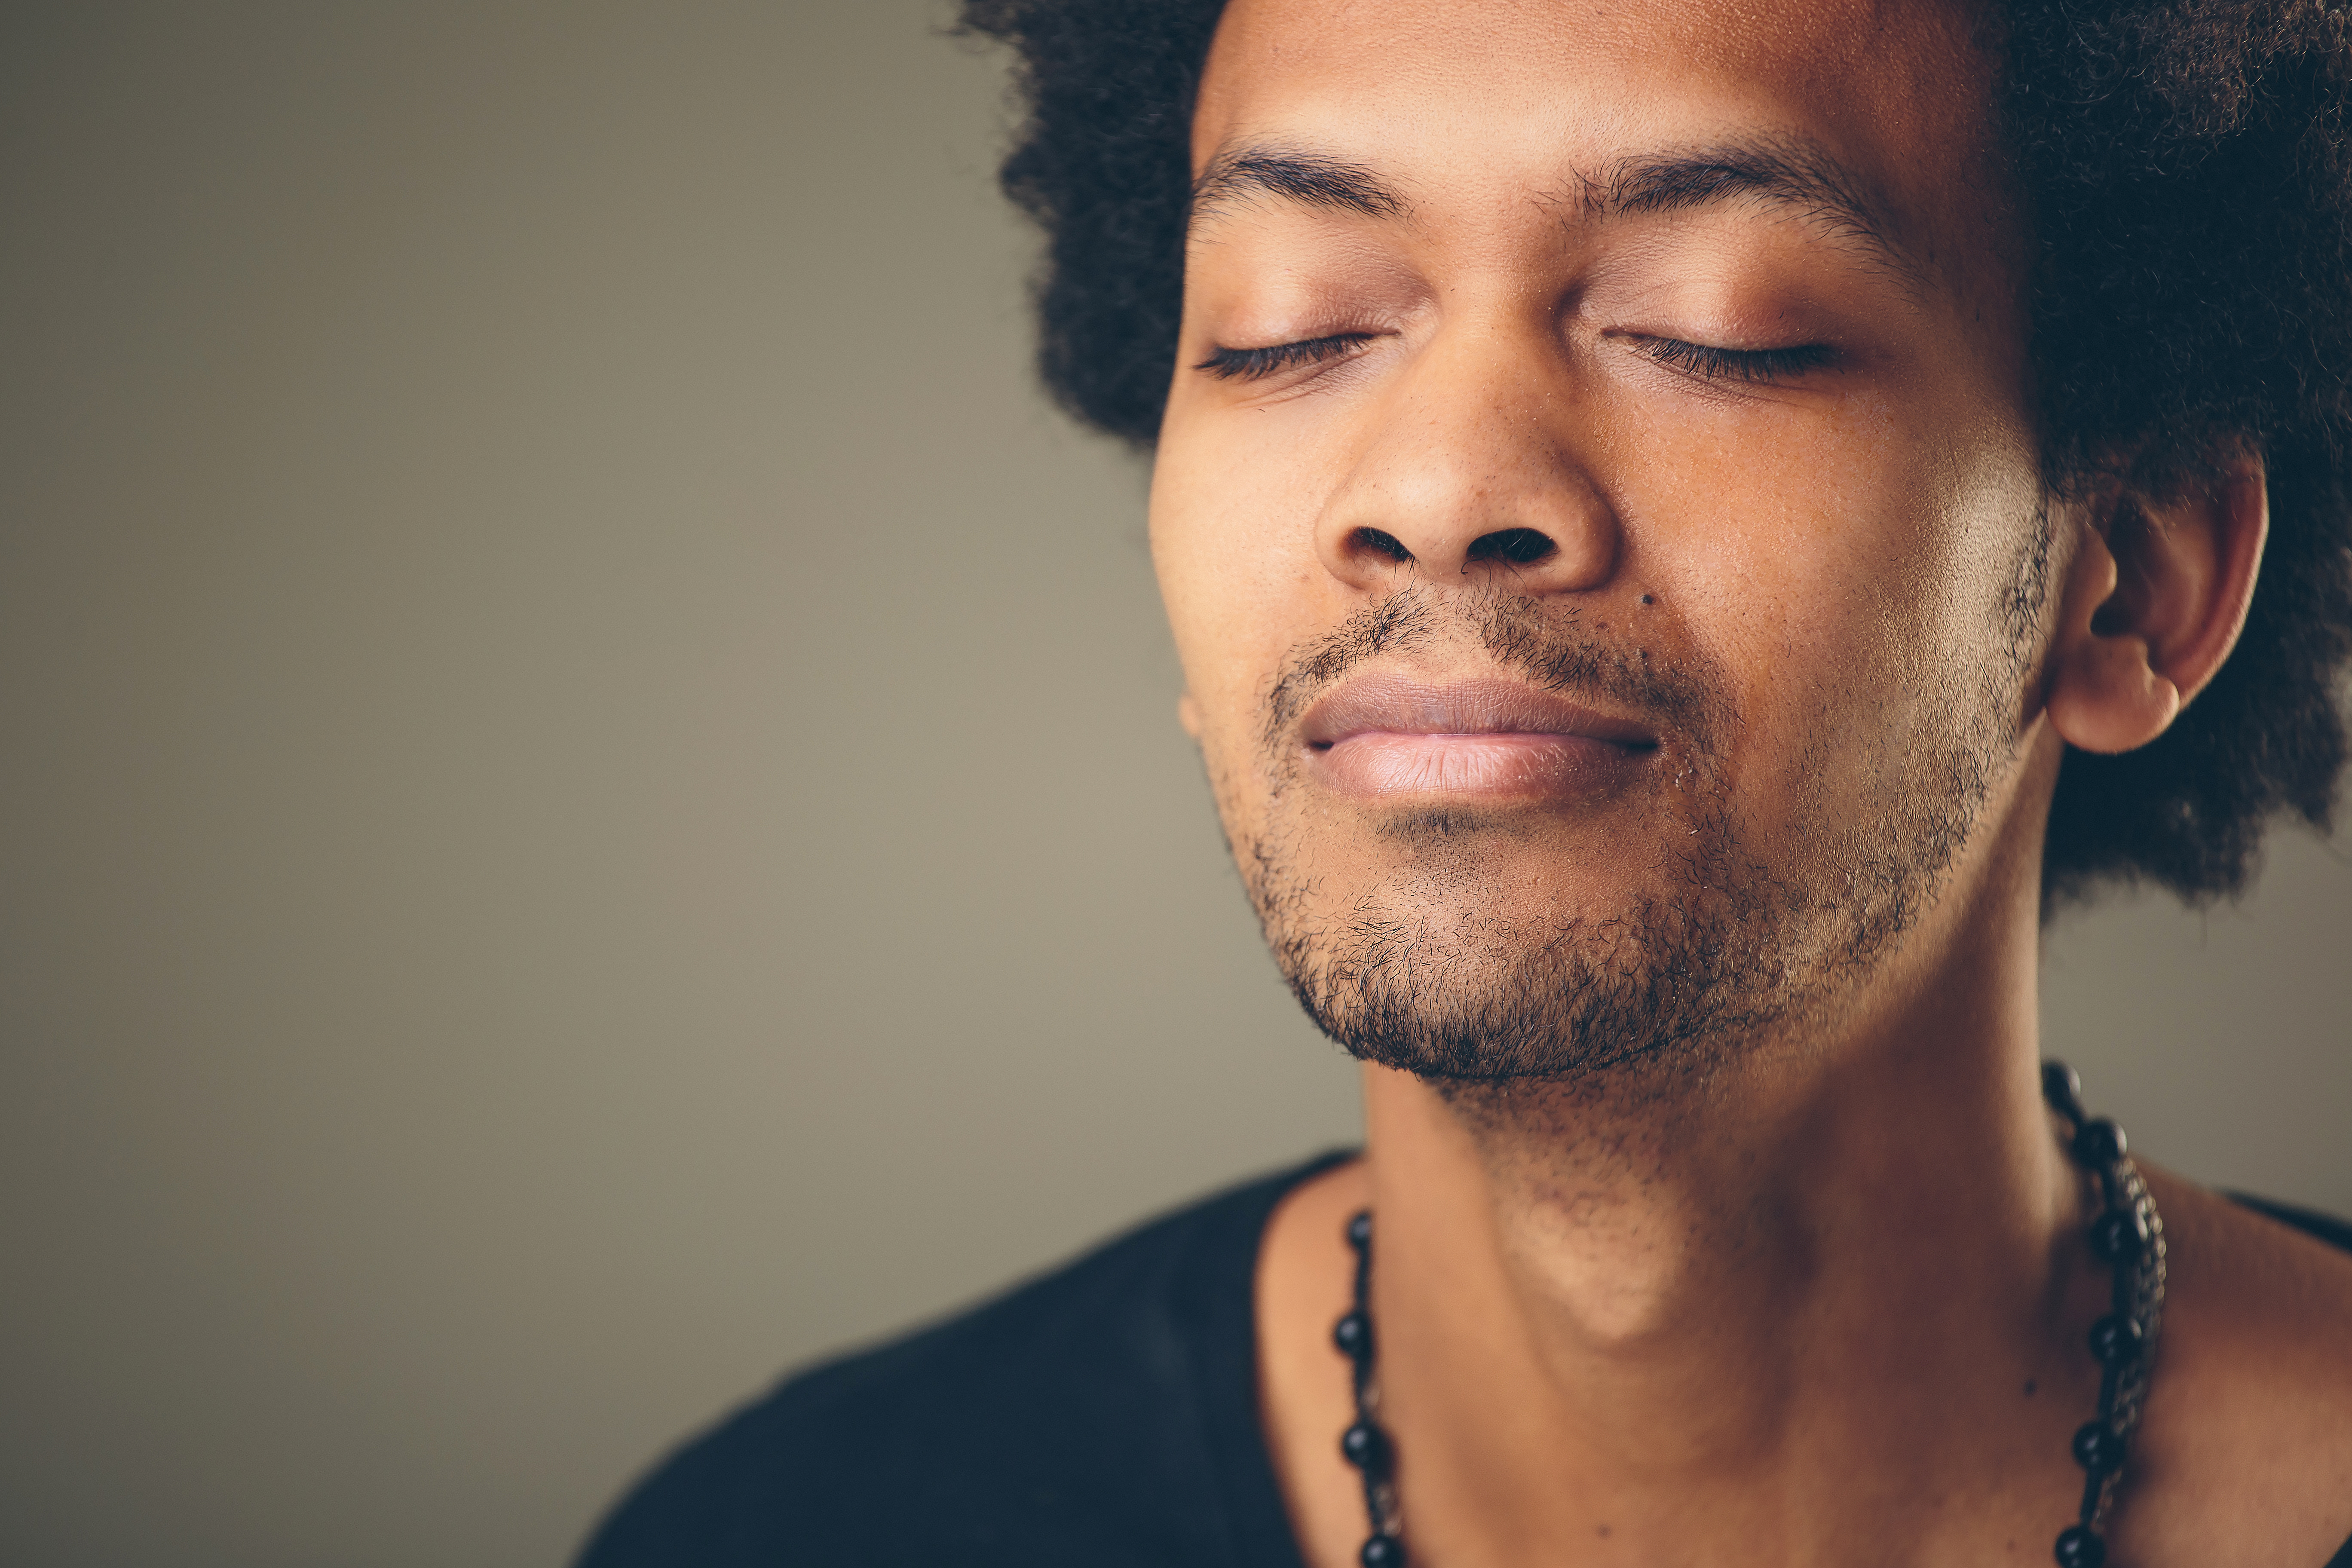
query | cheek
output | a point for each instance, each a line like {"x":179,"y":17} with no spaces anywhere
{"x":1233,"y":546}
{"x":1840,"y":567}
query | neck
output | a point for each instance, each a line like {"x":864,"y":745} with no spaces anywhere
{"x":1723,"y":1296}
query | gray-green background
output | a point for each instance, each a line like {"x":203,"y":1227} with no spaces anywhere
{"x":589,"y":800}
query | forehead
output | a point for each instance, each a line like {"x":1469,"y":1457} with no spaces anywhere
{"x":1464,"y":103}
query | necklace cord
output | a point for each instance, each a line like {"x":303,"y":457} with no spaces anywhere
{"x":2127,"y":1234}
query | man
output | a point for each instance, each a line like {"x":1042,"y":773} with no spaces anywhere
{"x":1688,"y":526}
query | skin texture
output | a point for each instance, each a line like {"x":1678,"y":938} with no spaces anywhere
{"x":1775,"y":1259}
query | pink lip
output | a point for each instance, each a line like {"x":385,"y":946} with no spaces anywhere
{"x":1388,"y":735}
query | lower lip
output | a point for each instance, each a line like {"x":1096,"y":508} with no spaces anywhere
{"x":1387,"y":765}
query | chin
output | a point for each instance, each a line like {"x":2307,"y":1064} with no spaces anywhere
{"x":1466,"y":870}
{"x":1433,"y":972}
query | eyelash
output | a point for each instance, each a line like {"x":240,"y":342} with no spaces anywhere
{"x":1735,"y":365}
{"x":1253,"y":365}
{"x":1694,"y":359}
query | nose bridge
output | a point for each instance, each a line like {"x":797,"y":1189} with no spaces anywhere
{"x":1471,"y":463}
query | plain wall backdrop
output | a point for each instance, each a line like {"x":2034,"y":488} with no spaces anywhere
{"x":589,"y":804}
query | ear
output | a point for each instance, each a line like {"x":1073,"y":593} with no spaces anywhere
{"x":2153,"y":603}
{"x":1188,"y":713}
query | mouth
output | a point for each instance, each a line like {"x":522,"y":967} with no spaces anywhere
{"x":1388,"y":736}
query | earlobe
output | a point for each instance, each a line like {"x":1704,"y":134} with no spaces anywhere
{"x":2152,"y":604}
{"x":1188,"y":713}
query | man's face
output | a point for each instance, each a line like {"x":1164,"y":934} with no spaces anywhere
{"x":1596,"y":508}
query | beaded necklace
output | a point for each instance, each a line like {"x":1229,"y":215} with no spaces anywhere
{"x":2127,"y":1236}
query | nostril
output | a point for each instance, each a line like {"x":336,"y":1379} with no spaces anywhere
{"x":1379,"y":543}
{"x":1518,"y":546}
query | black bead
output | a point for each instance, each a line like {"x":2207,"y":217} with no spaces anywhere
{"x":2080,"y":1548}
{"x":2117,"y":1236}
{"x":2062,"y":1088}
{"x":1360,"y":1230}
{"x":1366,"y":1446}
{"x":2115,"y":1340}
{"x":2098,"y":1143}
{"x":1383,"y":1551}
{"x":1353,"y":1335}
{"x":2098,"y":1447}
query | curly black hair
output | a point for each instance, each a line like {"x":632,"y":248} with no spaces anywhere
{"x":2186,"y":166}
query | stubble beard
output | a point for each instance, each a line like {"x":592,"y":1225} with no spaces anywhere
{"x":1725,"y":947}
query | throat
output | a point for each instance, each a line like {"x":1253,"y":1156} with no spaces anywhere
{"x":1682,"y":1318}
{"x":1597,"y":1257}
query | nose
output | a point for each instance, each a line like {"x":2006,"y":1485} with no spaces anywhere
{"x":1468,"y":467}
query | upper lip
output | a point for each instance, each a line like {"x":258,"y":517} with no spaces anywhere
{"x":1387,"y":702}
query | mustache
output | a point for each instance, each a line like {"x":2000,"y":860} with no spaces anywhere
{"x":1547,"y":646}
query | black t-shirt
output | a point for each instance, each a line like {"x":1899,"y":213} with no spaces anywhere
{"x":1103,"y":1416}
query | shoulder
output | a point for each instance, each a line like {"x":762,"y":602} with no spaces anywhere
{"x":2246,"y":1450}
{"x":1069,"y":1420}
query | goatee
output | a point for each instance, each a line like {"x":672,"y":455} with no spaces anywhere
{"x":1432,"y":973}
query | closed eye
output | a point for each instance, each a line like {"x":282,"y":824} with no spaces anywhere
{"x":1702,"y":360}
{"x":1251,"y":364}
{"x":1710,"y":363}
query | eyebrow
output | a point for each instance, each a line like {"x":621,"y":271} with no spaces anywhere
{"x":1307,"y":179}
{"x":1795,"y":174}
{"x":1791,"y":174}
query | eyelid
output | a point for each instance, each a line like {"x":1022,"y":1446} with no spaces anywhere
{"x":1710,"y":362}
{"x":1256,"y":364}
{"x":1707,"y":362}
